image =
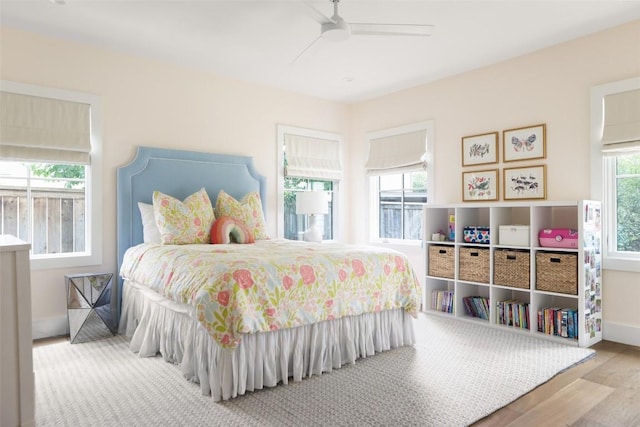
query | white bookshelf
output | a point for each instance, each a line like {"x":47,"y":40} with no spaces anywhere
{"x":582,"y":215}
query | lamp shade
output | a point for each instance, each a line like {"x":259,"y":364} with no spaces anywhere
{"x":312,"y":202}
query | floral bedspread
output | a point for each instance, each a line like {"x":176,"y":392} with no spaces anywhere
{"x":274,"y":284}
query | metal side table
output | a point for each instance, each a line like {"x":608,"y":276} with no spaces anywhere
{"x":89,"y":307}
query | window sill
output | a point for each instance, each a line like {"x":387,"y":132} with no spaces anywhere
{"x":62,"y":261}
{"x":397,"y":242}
{"x":621,"y":264}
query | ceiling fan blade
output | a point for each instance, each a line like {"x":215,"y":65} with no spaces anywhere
{"x":391,"y":29}
{"x":306,"y":49}
{"x":314,"y":13}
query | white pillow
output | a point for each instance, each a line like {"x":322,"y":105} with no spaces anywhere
{"x":150,"y":231}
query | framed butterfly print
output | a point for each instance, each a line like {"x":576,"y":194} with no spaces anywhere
{"x":529,"y":182}
{"x":480,"y":149}
{"x":524,"y":143}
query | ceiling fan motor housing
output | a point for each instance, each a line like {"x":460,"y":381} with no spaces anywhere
{"x":336,"y":31}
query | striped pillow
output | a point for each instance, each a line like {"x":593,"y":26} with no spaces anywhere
{"x":230,"y":230}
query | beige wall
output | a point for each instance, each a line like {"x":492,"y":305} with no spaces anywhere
{"x":151,"y":103}
{"x":550,"y":86}
{"x":144,"y":104}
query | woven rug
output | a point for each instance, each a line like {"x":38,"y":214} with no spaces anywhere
{"x":457,"y":373}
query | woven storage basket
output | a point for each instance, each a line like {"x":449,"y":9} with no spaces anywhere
{"x":441,"y":261}
{"x":474,"y":264}
{"x":557,"y":272}
{"x":511,"y":268}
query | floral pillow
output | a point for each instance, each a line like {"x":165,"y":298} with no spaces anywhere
{"x":247,"y":210}
{"x":183,"y":223}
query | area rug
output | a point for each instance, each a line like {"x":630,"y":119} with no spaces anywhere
{"x":457,"y":373}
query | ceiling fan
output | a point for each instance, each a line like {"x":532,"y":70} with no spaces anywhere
{"x":335,"y":28}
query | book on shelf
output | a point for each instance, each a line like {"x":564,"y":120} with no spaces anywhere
{"x":442,"y":301}
{"x":477,"y":306}
{"x":485,"y":307}
{"x":561,"y":322}
{"x":478,"y":312}
{"x":513,"y":313}
{"x":571,"y":325}
{"x":468,"y":306}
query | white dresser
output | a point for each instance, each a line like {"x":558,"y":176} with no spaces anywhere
{"x":16,"y":344}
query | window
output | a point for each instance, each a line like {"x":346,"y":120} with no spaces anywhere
{"x":44,"y":204}
{"x":50,"y":174}
{"x":625,"y":238}
{"x":295,"y":224}
{"x":400,"y":199}
{"x":309,"y":160}
{"x":615,"y":141}
{"x":399,"y":181}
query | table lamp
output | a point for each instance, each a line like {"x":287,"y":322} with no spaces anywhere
{"x":312,"y":203}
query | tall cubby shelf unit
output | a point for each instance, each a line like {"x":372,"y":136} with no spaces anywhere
{"x":582,"y":215}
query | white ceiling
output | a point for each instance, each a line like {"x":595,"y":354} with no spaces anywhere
{"x":258,"y":40}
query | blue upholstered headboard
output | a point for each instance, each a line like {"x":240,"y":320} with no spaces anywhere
{"x":177,"y":173}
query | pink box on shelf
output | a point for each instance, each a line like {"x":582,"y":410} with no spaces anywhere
{"x":558,"y":237}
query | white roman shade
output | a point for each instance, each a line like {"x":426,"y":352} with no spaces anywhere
{"x":33,"y":128}
{"x":309,"y":157}
{"x":395,"y":153}
{"x":621,"y":131}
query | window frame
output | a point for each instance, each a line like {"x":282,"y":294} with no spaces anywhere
{"x":93,"y":179}
{"x":603,"y":177}
{"x":283,"y":130}
{"x":374,"y":191}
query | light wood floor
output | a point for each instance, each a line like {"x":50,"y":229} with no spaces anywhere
{"x":603,"y":391}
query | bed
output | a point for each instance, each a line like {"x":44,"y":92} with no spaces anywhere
{"x":240,"y":317}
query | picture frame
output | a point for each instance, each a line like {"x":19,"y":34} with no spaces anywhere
{"x":525,"y":143}
{"x":480,"y":185}
{"x":525,"y":183}
{"x":480,"y":149}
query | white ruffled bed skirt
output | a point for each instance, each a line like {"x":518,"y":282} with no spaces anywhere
{"x":157,"y":325}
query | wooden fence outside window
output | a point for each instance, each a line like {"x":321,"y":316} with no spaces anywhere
{"x":58,"y":218}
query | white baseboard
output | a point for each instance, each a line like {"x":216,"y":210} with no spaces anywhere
{"x":47,"y":328}
{"x":620,"y":332}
